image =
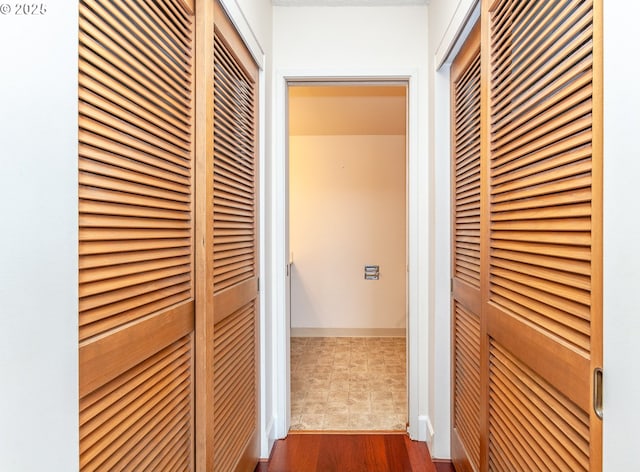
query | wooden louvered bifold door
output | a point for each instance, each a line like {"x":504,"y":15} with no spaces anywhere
{"x":465,"y":294}
{"x":136,"y":292}
{"x":544,"y":215}
{"x":230,"y":348}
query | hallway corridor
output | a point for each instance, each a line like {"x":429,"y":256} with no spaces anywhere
{"x":349,"y":452}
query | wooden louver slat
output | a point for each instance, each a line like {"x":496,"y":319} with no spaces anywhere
{"x":235,"y":387}
{"x":555,"y":187}
{"x":532,"y":413}
{"x":143,"y":392}
{"x":234,"y":173}
{"x":466,"y":414}
{"x":466,"y":99}
{"x":117,"y":206}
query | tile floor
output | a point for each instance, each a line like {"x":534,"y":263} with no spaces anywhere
{"x":348,"y":384}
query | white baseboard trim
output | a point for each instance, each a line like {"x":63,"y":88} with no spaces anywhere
{"x":269,"y":439}
{"x":425,"y":429}
{"x":430,"y":432}
{"x":347,"y":332}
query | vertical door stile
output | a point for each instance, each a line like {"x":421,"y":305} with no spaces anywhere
{"x":204,"y":235}
{"x":466,"y":252}
{"x":597,"y":218}
{"x":485,"y":136}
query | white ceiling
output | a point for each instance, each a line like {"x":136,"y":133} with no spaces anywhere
{"x":345,"y":3}
{"x":327,"y":110}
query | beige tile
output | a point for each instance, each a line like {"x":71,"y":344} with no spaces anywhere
{"x":336,"y":421}
{"x":359,"y":408}
{"x":314,"y":407}
{"x":357,"y":360}
{"x":338,"y":397}
{"x":401,"y":408}
{"x":395,"y":422}
{"x":296,"y":423}
{"x":344,"y":368}
{"x":337,"y":408}
{"x":311,"y":421}
{"x":320,"y":382}
{"x":296,"y":409}
{"x":337,"y":382}
{"x":379,"y":383}
{"x":339,"y":386}
{"x":377,"y":370}
{"x":298,"y":383}
{"x":320,"y":369}
{"x":358,"y":369}
{"x":343,"y":375}
{"x":358,"y":376}
{"x":399,"y":395}
{"x":395,"y":369}
{"x":364,"y":421}
{"x":359,"y":396}
{"x":359,"y":386}
{"x":325,"y":360}
{"x":317,"y":395}
{"x":383,"y":408}
{"x":397,"y":378}
{"x":381,"y":396}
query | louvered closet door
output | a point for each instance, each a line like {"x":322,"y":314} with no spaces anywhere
{"x":231,"y":253}
{"x":466,"y":303}
{"x":544,"y":262}
{"x":136,"y":275}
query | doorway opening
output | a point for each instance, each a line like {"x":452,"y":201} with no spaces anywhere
{"x":347,"y":168}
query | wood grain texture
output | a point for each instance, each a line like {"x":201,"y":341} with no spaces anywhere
{"x":136,"y":263}
{"x":443,"y":465}
{"x":542,"y":295}
{"x":348,"y":453}
{"x":466,"y":199}
{"x":203,"y":239}
{"x":227,"y":328}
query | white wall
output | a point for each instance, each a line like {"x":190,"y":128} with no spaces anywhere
{"x":38,"y":241}
{"x":621,"y":236}
{"x":355,"y":42}
{"x":348,"y":39}
{"x":347,"y":209}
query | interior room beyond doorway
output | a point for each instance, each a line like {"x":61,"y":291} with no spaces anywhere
{"x":347,"y":236}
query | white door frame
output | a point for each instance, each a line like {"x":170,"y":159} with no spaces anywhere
{"x":417,"y":327}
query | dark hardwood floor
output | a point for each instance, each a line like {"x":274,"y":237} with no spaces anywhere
{"x":348,"y":453}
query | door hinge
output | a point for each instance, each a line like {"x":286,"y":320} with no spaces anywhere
{"x":597,"y":391}
{"x":258,"y":285}
{"x":451,"y":285}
